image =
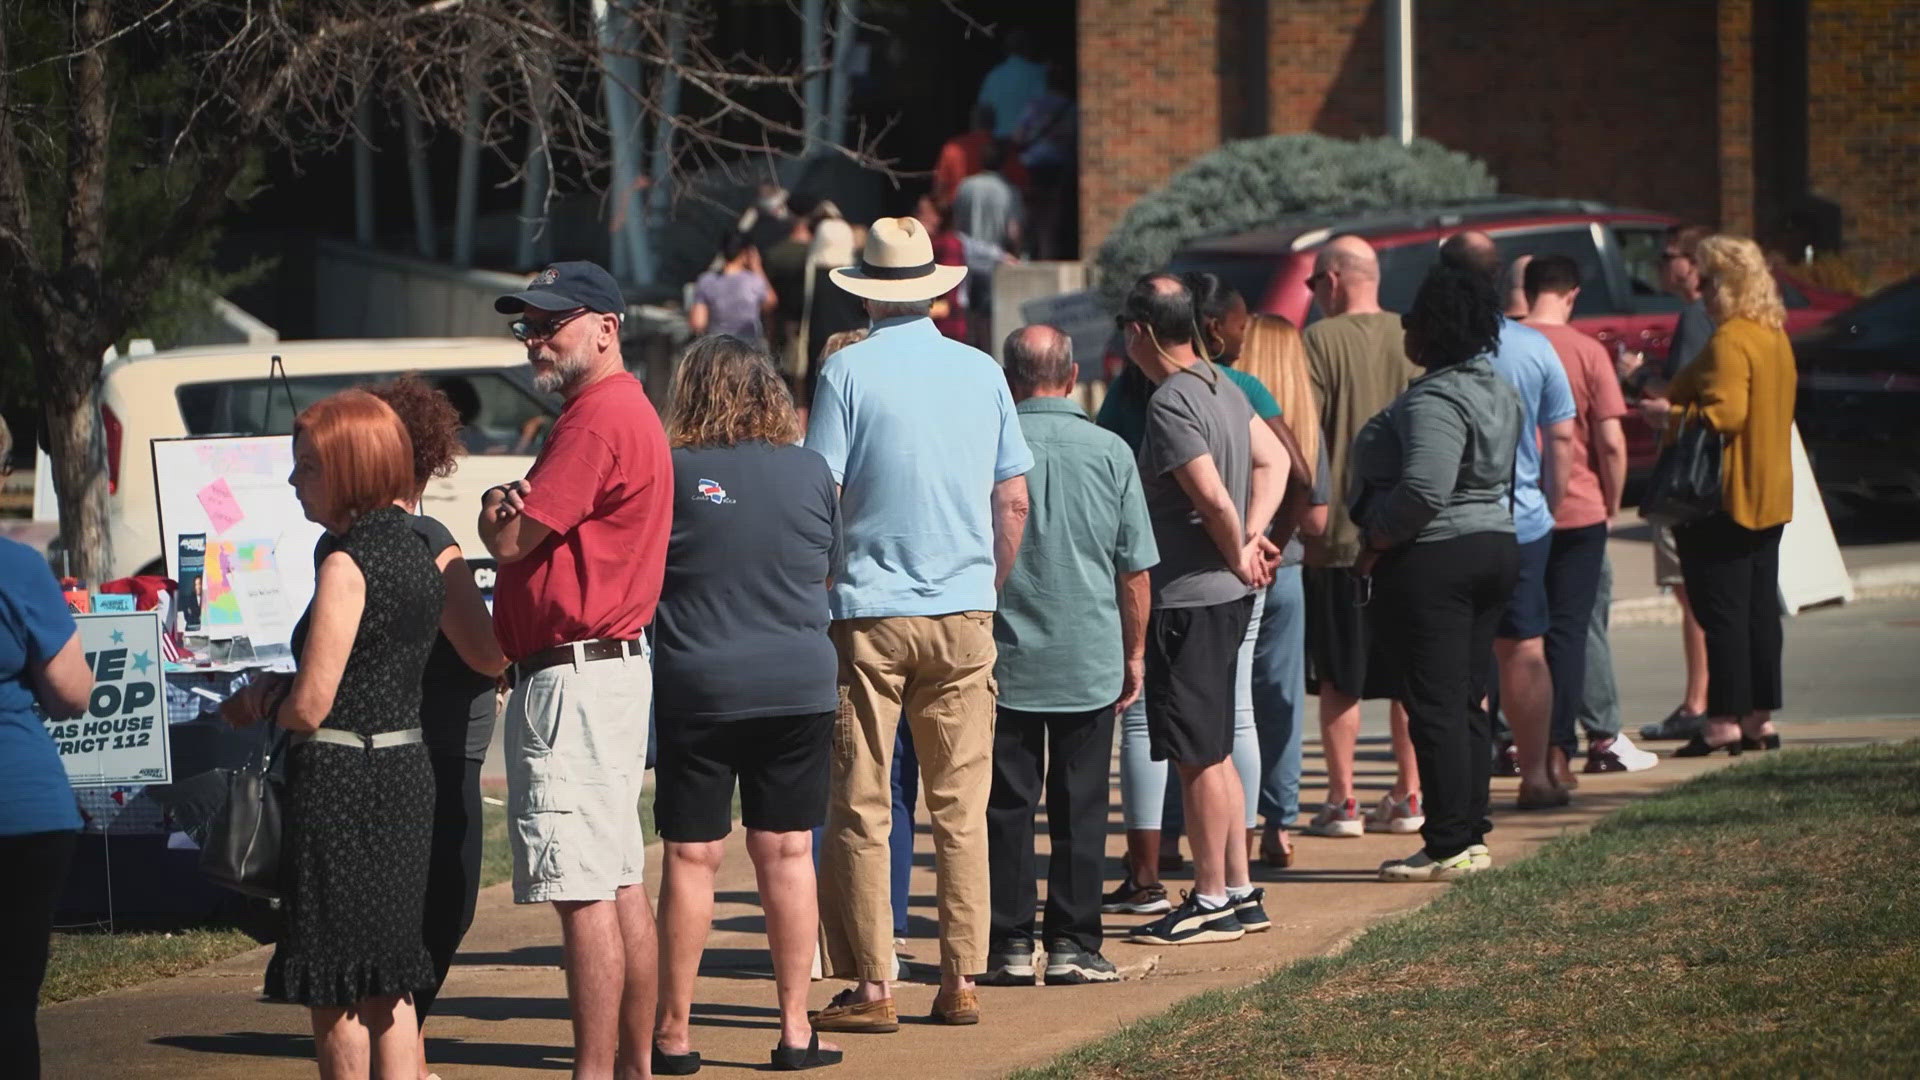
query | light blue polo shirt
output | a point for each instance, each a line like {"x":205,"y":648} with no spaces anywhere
{"x":917,"y":429}
{"x":1525,"y":358}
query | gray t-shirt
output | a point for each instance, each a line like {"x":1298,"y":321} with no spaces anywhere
{"x":1194,"y":412}
{"x":741,"y":631}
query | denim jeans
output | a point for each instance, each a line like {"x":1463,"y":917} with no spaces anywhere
{"x":1280,"y":696}
{"x":1600,"y":706}
{"x":1147,"y":801}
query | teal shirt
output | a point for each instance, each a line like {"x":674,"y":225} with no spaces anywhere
{"x":1058,"y":627}
{"x":1124,"y":411}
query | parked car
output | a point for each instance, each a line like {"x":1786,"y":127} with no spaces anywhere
{"x":1618,"y":252}
{"x":226,"y":390}
{"x":1860,"y":395}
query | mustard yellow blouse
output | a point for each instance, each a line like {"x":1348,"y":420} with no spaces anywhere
{"x":1744,"y":383}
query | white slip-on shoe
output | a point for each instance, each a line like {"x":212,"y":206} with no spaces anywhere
{"x":1420,"y":867}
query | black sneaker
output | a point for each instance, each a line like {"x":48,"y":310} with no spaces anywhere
{"x":1252,"y":916}
{"x":1070,"y":965}
{"x":1130,"y":899}
{"x":1010,"y":964}
{"x":1679,"y":724}
{"x":1506,"y":760}
{"x":1190,"y":924}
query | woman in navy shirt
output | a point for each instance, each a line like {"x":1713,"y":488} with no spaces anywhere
{"x":40,"y":662}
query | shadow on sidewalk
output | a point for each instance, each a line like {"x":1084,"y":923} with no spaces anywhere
{"x":440,"y":1051}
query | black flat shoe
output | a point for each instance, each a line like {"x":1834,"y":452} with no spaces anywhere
{"x":665,"y":1064}
{"x":1764,"y":742}
{"x":793,"y":1059}
{"x":1698,"y":746}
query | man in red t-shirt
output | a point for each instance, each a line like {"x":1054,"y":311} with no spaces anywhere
{"x":582,"y":545}
{"x":1577,"y":562}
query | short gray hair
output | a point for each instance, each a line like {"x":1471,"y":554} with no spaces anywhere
{"x":899,"y":309}
{"x":1038,"y":357}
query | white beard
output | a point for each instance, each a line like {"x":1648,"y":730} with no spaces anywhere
{"x":561,"y":377}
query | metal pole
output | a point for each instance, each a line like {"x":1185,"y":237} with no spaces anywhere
{"x":620,"y":77}
{"x":844,"y":29}
{"x":421,"y":183}
{"x":812,"y":29}
{"x":467,"y":197}
{"x":363,"y":174}
{"x":660,"y":172}
{"x":532,"y":245}
{"x":1400,"y":97}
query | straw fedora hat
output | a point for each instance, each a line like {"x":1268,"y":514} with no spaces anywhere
{"x":897,"y":264}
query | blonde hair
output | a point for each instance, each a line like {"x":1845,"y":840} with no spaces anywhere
{"x":725,"y":392}
{"x":840,"y":339}
{"x":1743,"y":285}
{"x":1273,"y":353}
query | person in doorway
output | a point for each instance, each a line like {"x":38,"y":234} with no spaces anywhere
{"x":1357,"y":363}
{"x":582,"y":545}
{"x":1213,"y":474}
{"x":1048,"y":142}
{"x":1434,"y":475}
{"x":1071,"y":634}
{"x":1013,"y":84}
{"x":744,"y":681}
{"x":922,"y":436}
{"x":735,"y":299}
{"x":1527,"y":361}
{"x":965,"y":154}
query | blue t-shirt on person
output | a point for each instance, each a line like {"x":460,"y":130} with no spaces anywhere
{"x":34,"y":625}
{"x":917,"y":429}
{"x":1525,"y":358}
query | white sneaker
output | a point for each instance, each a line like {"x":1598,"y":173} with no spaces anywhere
{"x":1398,"y":816}
{"x":1619,"y":755}
{"x":1482,"y":858}
{"x":1337,"y":820}
{"x":1418,"y":867}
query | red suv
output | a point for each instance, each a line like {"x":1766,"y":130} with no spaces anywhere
{"x":1618,"y":252}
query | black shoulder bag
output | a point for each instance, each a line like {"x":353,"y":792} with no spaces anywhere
{"x":1685,"y":484}
{"x":242,"y":848}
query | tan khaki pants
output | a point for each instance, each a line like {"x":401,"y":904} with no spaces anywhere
{"x":937,"y":672}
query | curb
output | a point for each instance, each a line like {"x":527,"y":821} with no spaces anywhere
{"x":1893,"y":581}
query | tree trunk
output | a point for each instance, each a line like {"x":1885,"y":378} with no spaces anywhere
{"x":78,"y":447}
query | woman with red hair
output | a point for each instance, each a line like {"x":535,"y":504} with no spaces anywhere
{"x":360,"y":792}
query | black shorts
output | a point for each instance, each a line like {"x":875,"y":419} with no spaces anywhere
{"x":1527,"y":613}
{"x":782,"y":763}
{"x":1342,"y":646}
{"x":1191,"y":652}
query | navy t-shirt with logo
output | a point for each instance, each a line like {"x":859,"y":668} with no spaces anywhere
{"x":742,"y":627}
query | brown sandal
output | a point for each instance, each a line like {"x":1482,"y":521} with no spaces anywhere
{"x":1279,"y":853}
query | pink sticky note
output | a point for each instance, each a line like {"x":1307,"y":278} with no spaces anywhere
{"x":223,"y":510}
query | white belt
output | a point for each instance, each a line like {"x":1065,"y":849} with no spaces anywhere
{"x":382,"y":741}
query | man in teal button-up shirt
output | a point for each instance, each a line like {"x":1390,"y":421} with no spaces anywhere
{"x":1071,"y":631}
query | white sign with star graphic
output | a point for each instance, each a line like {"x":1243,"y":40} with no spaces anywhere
{"x":123,"y":737}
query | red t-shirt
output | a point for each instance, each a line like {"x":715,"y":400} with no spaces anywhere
{"x":1596,"y":397}
{"x":604,"y":485}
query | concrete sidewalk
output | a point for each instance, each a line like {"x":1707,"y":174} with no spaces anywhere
{"x":503,"y":1012}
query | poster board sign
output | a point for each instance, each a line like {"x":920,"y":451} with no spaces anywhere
{"x":1811,"y":569}
{"x":1083,"y":318}
{"x":234,"y":536}
{"x":122,"y":738}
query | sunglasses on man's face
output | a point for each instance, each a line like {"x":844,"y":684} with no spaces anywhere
{"x":1669,"y":256}
{"x":543,"y":329}
{"x":1318,"y":279}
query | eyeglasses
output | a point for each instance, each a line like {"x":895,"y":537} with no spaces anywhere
{"x":1669,"y":256}
{"x":1318,"y":278}
{"x":544,"y":329}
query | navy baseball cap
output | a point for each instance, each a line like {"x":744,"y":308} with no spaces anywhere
{"x":565,"y":286}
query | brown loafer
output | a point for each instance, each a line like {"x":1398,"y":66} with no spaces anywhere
{"x":1563,"y":773}
{"x":847,"y":1015}
{"x":958,"y":1007}
{"x":1533,"y":798}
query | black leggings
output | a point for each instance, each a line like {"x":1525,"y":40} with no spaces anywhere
{"x":453,"y":868}
{"x":37,"y":874}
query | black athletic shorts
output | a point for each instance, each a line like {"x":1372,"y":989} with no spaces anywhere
{"x":782,"y":763}
{"x":1191,"y":653}
{"x":1342,"y":646}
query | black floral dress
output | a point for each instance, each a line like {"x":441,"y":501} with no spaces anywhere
{"x":359,"y":821}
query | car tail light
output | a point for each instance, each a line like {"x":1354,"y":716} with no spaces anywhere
{"x":111,"y":425}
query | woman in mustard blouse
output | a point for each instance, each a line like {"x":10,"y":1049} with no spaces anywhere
{"x":1743,"y":385}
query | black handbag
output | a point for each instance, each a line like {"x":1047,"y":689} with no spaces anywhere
{"x":1685,"y":484}
{"x":243,"y":843}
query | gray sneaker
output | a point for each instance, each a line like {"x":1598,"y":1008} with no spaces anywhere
{"x":1679,"y":724}
{"x":1010,"y":964}
{"x":1070,"y":965}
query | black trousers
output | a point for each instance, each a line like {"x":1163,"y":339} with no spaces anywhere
{"x":1733,"y":583}
{"x":1076,"y":749}
{"x":1573,"y":583}
{"x":1440,"y":603}
{"x":37,"y":874}
{"x":453,"y":868}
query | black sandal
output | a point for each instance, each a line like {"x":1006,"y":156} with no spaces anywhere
{"x":665,"y":1064}
{"x":793,"y":1058}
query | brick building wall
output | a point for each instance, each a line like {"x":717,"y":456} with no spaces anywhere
{"x":1863,"y":127}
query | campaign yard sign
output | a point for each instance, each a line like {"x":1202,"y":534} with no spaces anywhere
{"x":122,"y":739}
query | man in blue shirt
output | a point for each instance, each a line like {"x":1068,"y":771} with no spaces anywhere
{"x":922,"y":438}
{"x":1527,"y":360}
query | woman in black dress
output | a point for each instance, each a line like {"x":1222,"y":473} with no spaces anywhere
{"x":359,"y":806}
{"x":456,"y":694}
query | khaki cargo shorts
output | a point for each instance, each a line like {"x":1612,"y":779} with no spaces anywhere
{"x":576,"y":756}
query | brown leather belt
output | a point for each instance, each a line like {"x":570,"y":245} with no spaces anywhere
{"x":597,"y":649}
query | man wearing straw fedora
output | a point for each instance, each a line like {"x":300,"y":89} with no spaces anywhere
{"x":924,"y":441}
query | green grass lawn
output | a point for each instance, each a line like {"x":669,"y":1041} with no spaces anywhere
{"x":1761,"y":920}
